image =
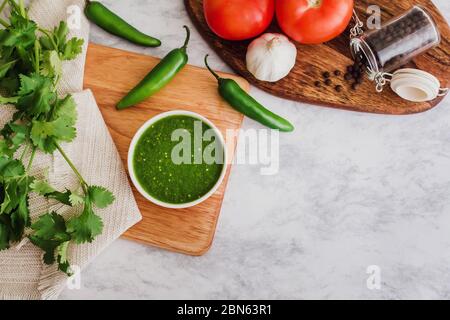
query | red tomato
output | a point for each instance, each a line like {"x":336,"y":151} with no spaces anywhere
{"x":314,"y":21}
{"x":239,"y":19}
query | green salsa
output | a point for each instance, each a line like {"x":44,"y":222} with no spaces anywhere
{"x":170,"y":181}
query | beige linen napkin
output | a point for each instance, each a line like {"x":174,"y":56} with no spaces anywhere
{"x":22,"y":273}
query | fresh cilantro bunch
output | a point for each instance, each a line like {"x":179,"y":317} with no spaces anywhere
{"x":31,"y":61}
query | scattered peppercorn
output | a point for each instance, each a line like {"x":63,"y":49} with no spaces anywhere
{"x":354,"y":74}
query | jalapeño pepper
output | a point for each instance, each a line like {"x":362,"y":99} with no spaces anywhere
{"x":247,"y":105}
{"x":112,"y":23}
{"x":159,"y":77}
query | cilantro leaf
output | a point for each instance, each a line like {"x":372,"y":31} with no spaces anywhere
{"x":57,"y":40}
{"x":18,"y":133}
{"x":86,"y":226}
{"x":36,"y":94}
{"x":5,"y":149}
{"x":100,"y":196}
{"x":14,"y":136}
{"x":60,"y":33}
{"x":63,"y":262}
{"x":50,"y":235}
{"x":10,"y":85}
{"x":63,"y":197}
{"x":51,"y":64}
{"x":41,"y":187}
{"x":75,"y":199}
{"x":5,"y":67}
{"x":10,"y":200}
{"x":67,"y":109}
{"x":14,"y":198}
{"x":4,"y":161}
{"x":42,"y":136}
{"x":51,"y":226}
{"x":10,"y":168}
{"x":45,"y":134}
{"x":20,"y":217}
{"x":8,"y":100}
{"x":44,"y":189}
{"x":53,"y":251}
{"x":46,"y":43}
{"x":72,"y":49}
{"x":22,"y":32}
{"x":48,"y":246}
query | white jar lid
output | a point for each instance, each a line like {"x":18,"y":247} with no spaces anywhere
{"x":415,"y":85}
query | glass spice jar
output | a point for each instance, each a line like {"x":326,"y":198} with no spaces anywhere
{"x":395,"y":44}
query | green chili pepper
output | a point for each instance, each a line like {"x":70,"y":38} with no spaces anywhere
{"x":159,"y":77}
{"x":112,"y":23}
{"x":247,"y":105}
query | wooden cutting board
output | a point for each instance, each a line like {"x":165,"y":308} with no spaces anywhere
{"x":110,"y":74}
{"x":312,"y":61}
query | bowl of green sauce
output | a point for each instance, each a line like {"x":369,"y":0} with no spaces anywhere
{"x":177,"y":159}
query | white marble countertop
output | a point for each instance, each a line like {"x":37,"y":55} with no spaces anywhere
{"x":353,"y":190}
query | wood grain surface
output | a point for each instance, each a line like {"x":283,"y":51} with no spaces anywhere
{"x":313,"y":60}
{"x":110,"y":74}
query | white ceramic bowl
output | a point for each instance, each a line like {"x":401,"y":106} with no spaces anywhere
{"x":142,"y":130}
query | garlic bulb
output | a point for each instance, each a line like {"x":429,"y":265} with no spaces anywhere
{"x":271,"y":57}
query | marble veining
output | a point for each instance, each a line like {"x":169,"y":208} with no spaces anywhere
{"x":353,"y":190}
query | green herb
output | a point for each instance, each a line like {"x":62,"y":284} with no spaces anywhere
{"x":31,"y":61}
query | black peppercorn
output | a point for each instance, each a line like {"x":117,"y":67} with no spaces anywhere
{"x":348,"y":76}
{"x":328,"y":82}
{"x":317,"y":83}
{"x":326,"y":75}
{"x":338,"y":88}
{"x":337,"y":73}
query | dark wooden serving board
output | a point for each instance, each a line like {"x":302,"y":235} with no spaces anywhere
{"x":313,"y":60}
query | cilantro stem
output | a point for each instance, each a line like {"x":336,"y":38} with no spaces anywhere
{"x":37,"y":55}
{"x":30,"y":162}
{"x":3,"y":5}
{"x":4,"y":23}
{"x":47,"y":33}
{"x":22,"y":9}
{"x":25,"y":150}
{"x":84,"y":185}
